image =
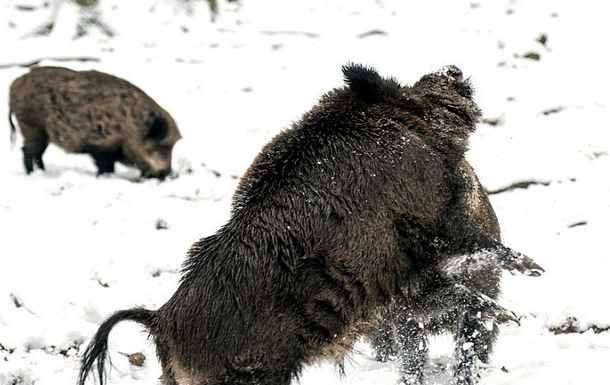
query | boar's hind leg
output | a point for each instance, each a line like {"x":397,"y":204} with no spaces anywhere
{"x":466,"y":370}
{"x":412,"y":351}
{"x":253,"y":377}
{"x":448,"y":305}
{"x":400,"y":336}
{"x":474,"y":316}
{"x":33,"y":148}
{"x":382,"y":340}
{"x":259,"y":367}
{"x":474,"y":339}
{"x":104,"y":160}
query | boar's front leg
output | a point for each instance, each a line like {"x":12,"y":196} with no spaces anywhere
{"x":513,"y":260}
{"x":401,"y":337}
{"x":475,"y":333}
{"x":104,"y":160}
{"x":445,"y":304}
{"x":475,"y":317}
{"x":476,"y":250}
{"x":495,"y":257}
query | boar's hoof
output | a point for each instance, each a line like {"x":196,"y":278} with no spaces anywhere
{"x":515,"y":261}
{"x":500,"y":315}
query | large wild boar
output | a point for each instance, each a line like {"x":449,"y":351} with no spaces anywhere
{"x":94,"y":113}
{"x":365,"y":203}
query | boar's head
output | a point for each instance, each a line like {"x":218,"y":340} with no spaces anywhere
{"x":444,"y":99}
{"x":151,"y":150}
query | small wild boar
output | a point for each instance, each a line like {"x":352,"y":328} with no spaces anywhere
{"x":459,"y":299}
{"x":93,"y":113}
{"x":364,"y":207}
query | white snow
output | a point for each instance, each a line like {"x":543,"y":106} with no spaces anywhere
{"x":75,"y":247}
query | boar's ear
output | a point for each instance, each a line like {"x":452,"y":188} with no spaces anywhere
{"x":158,"y":129}
{"x":368,"y":84}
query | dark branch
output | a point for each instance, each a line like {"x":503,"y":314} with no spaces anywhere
{"x":83,"y":59}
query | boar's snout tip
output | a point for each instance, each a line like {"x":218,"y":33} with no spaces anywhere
{"x":453,"y":72}
{"x":161,"y":175}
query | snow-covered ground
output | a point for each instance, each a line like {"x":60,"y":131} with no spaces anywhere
{"x":75,"y":247}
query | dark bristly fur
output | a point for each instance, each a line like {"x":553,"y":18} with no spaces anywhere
{"x":94,"y":113}
{"x":358,"y":214}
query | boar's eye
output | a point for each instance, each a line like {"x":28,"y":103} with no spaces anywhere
{"x":158,"y":129}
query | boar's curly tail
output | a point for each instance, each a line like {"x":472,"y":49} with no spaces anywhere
{"x":98,"y":347}
{"x":13,"y":130}
{"x":367,"y":84}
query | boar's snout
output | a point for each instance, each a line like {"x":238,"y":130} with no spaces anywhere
{"x":155,"y":163}
{"x":161,"y":175}
{"x":454,"y":73}
{"x":158,"y":145}
{"x":451,"y":78}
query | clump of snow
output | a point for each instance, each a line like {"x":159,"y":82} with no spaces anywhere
{"x":76,"y":247}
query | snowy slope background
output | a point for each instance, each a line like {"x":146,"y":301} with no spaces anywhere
{"x":75,"y":247}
